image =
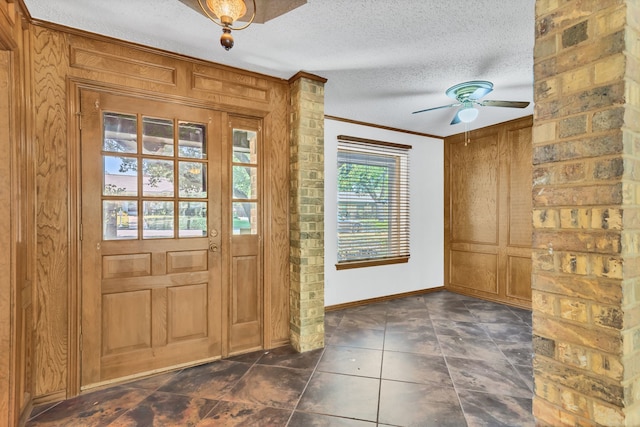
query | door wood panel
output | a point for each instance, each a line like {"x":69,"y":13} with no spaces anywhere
{"x":147,"y":303}
{"x":488,"y":225}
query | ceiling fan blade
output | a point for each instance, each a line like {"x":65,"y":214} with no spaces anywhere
{"x":456,"y":119}
{"x":480,"y":92}
{"x":511,"y":104}
{"x":437,"y":108}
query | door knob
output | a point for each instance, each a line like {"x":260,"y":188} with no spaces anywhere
{"x":213,"y":247}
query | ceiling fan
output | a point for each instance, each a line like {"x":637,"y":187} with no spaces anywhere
{"x":467,"y":95}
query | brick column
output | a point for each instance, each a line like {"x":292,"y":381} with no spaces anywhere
{"x":307,"y":212}
{"x":586,"y":197}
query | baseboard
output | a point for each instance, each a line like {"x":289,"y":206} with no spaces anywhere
{"x":381,"y":299}
{"x":49,"y":398}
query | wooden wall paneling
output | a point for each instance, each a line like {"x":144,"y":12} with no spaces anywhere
{"x":62,"y":62}
{"x":50,"y":67}
{"x":488,"y":213}
{"x":7,"y":286}
{"x":475,"y":271}
{"x":519,"y":227}
{"x":27,"y":222}
{"x":276,"y":211}
{"x":474,"y":191}
{"x":16,"y":231}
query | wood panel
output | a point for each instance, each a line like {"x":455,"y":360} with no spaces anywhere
{"x":276,"y":226}
{"x":474,"y":270}
{"x":17,"y":236}
{"x":126,"y":320}
{"x":519,"y":278}
{"x":185,"y":261}
{"x":131,"y":68}
{"x":474,"y":191}
{"x":50,"y":106}
{"x":191,"y":303}
{"x":6,"y":284}
{"x":520,"y":183}
{"x":115,"y":266}
{"x":488,"y":213}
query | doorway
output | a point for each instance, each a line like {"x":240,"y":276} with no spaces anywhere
{"x":158,"y":240}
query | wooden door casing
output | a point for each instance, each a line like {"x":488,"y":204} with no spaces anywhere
{"x":488,"y":213}
{"x":147,"y":304}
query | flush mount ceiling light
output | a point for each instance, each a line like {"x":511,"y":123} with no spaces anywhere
{"x":468,"y":114}
{"x":224,"y":13}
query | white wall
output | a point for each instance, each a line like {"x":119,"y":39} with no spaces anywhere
{"x":425,"y":267}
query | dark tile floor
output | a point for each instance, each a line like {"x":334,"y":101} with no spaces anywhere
{"x":439,"y":359}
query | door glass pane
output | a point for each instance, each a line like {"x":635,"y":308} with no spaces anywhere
{"x":119,"y":176}
{"x":119,"y":219}
{"x":157,"y":219}
{"x":245,"y":146}
{"x":193,"y":179}
{"x":192,"y":140}
{"x":192,"y":219}
{"x":157,"y":136}
{"x":245,"y":182}
{"x":245,"y":218}
{"x":157,"y":180}
{"x":120,"y":133}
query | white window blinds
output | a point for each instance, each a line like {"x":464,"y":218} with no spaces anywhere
{"x":373,"y":201}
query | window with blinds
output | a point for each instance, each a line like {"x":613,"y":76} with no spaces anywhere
{"x":373,"y":202}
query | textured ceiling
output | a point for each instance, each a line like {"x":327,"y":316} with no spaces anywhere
{"x":383,"y":58}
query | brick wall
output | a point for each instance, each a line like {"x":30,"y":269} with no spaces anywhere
{"x":586,"y":216}
{"x":307,"y":212}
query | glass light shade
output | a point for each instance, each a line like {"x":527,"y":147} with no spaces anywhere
{"x":234,"y":9}
{"x":467,"y":115}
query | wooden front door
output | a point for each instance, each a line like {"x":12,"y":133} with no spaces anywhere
{"x":151,"y":236}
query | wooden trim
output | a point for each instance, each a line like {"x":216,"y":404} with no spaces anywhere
{"x":56,"y":396}
{"x":382,"y":299}
{"x":526,"y":121}
{"x":7,"y":41}
{"x":305,"y":75}
{"x":371,"y":263}
{"x":74,"y":260}
{"x":144,"y":48}
{"x":373,"y":125}
{"x":373,"y":142}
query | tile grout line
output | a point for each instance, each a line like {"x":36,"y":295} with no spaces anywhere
{"x":446,"y":362}
{"x":315,"y":368}
{"x":219,"y":399}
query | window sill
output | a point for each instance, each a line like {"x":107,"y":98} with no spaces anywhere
{"x":371,"y":263}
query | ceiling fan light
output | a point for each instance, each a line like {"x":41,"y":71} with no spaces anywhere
{"x":467,"y":115}
{"x":227,"y":10}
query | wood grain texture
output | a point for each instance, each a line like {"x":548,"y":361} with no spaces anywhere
{"x":520,"y":183}
{"x":474,"y":270}
{"x":125,"y":67}
{"x":488,"y":213}
{"x":49,"y":93}
{"x":276,"y":212}
{"x":474,"y":191}
{"x":6,"y":285}
{"x":63,"y":62}
{"x":519,"y":278}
